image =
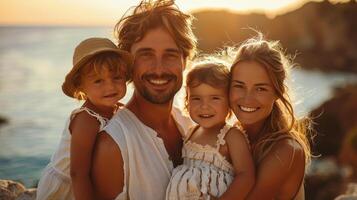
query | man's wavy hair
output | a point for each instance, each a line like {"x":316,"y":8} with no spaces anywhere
{"x":150,"y":15}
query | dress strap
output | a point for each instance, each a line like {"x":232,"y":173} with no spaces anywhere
{"x":102,"y":120}
{"x":190,"y":132}
{"x":222,"y":135}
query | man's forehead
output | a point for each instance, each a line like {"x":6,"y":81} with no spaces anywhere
{"x":157,"y":40}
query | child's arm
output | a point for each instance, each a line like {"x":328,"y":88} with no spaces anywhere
{"x":107,"y":155}
{"x":84,"y":129}
{"x":242,"y":161}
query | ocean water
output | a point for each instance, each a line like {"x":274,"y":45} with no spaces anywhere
{"x":33,"y":63}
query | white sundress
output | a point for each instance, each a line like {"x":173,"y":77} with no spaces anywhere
{"x":55,"y":182}
{"x":204,"y":171}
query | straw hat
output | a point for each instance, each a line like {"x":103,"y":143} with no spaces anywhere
{"x":86,"y":50}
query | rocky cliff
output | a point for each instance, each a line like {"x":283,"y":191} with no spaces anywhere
{"x":324,"y":35}
{"x":334,"y":119}
{"x":336,"y":144}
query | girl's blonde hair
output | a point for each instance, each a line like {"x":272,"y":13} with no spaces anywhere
{"x":97,"y":63}
{"x":210,"y":71}
{"x":282,"y":122}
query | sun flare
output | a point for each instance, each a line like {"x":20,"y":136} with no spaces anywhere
{"x":107,"y":12}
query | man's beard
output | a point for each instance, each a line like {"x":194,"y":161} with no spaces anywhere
{"x":160,"y":98}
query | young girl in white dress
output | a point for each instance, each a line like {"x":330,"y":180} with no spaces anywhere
{"x":99,"y":74}
{"x":217,"y":160}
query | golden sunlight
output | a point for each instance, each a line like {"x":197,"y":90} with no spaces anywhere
{"x":107,"y":12}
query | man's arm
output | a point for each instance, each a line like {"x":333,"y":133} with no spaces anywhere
{"x":107,"y":168}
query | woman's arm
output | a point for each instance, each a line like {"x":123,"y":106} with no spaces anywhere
{"x":242,"y":161}
{"x":284,"y":159}
{"x":84,"y":129}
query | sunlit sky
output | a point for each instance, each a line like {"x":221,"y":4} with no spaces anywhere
{"x":107,"y":12}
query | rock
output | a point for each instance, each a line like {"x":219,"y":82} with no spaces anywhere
{"x":326,"y":178}
{"x":346,"y":197}
{"x":336,"y":142}
{"x":29,"y":194}
{"x":350,"y":194}
{"x":6,"y":194}
{"x":3,"y":121}
{"x":348,"y":152}
{"x":334,"y":119}
{"x":11,"y":190}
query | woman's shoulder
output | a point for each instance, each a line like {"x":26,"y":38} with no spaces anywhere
{"x":287,"y":151}
{"x":288,"y":144}
{"x":281,"y":169}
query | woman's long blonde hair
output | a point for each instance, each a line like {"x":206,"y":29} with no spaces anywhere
{"x":282,"y":122}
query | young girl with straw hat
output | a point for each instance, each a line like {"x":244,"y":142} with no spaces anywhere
{"x":99,"y":75}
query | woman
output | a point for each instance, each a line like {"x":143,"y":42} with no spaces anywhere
{"x":259,"y":99}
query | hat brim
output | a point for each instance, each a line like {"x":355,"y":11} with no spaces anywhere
{"x":69,"y":89}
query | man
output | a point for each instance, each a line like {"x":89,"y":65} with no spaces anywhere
{"x":136,"y":152}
